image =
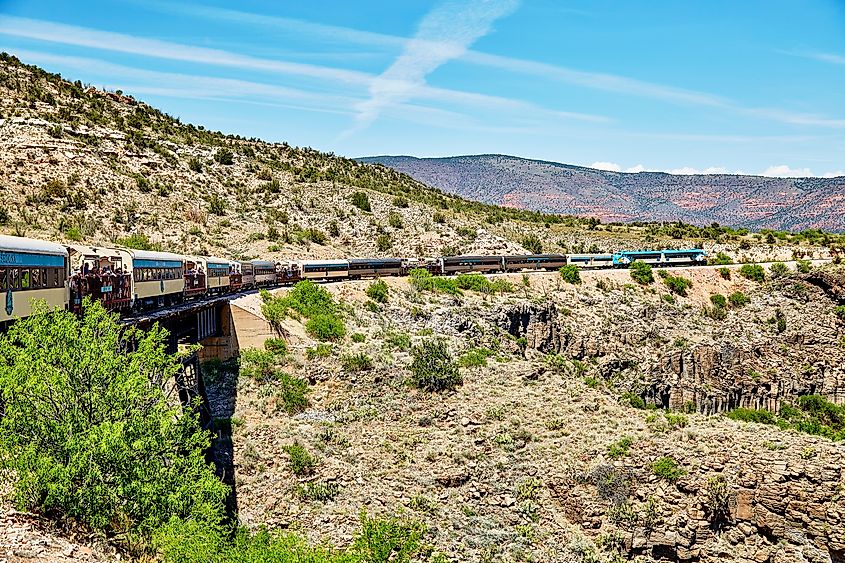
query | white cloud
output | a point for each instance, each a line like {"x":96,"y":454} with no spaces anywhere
{"x":609,"y":166}
{"x":784,"y":171}
{"x":834,"y":174}
{"x":635,"y":169}
{"x":444,"y":34}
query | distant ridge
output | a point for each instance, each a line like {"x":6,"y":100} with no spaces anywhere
{"x":756,"y":202}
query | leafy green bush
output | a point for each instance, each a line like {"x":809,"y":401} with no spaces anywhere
{"x":839,"y":311}
{"x":395,"y":220}
{"x":532,"y":243}
{"x":383,"y":242}
{"x":474,"y":357}
{"x":725,"y":273}
{"x":291,"y":393}
{"x":667,"y":468}
{"x":778,"y":270}
{"x":258,"y":364}
{"x":320,"y":491}
{"x":357,"y":362}
{"x":433,"y":368}
{"x":753,"y":272}
{"x":719,"y":300}
{"x":721,"y":259}
{"x":632,"y":399}
{"x":738,"y":299}
{"x":224,"y":156}
{"x":760,"y":416}
{"x":677,"y":284}
{"x":299,"y":460}
{"x":676,"y":420}
{"x":378,"y":291}
{"x":74,"y":234}
{"x":309,"y":299}
{"x":398,"y":340}
{"x":422,"y":280}
{"x":804,"y":266}
{"x":88,"y":433}
{"x":570,"y":274}
{"x":358,"y":337}
{"x":194,"y":164}
{"x":319,"y":351}
{"x":378,"y":541}
{"x":216,"y":205}
{"x":641,"y":272}
{"x":326,"y":327}
{"x":620,"y":448}
{"x":361,"y":200}
{"x":138,"y":241}
{"x":276,"y":345}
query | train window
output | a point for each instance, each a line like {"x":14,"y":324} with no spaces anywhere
{"x":36,"y":278}
{"x":14,"y":274}
{"x":25,"y":278}
{"x":4,"y":286}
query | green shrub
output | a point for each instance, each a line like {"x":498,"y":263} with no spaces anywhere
{"x":839,"y":311}
{"x":300,"y":461}
{"x":738,"y":299}
{"x":74,"y":234}
{"x":677,"y":284}
{"x":326,"y":327}
{"x":276,"y":345}
{"x":438,"y":217}
{"x":398,"y":340}
{"x":4,"y":217}
{"x":721,"y":259}
{"x":760,"y":416}
{"x":291,"y":393}
{"x":378,"y":291}
{"x":667,"y":468}
{"x":395,"y":220}
{"x":138,"y":241}
{"x":358,"y":337}
{"x":433,"y":368}
{"x":383,"y":242}
{"x":401,"y":202}
{"x":620,"y":448}
{"x":88,"y":432}
{"x":422,"y":280}
{"x":258,"y":364}
{"x":357,"y":362}
{"x":641,"y":272}
{"x":753,"y":272}
{"x":319,"y":491}
{"x":570,"y":274}
{"x":725,"y":273}
{"x":676,"y":420}
{"x":532,"y":243}
{"x":361,"y":200}
{"x":194,"y":164}
{"x":778,"y":270}
{"x":719,"y":300}
{"x":319,"y":351}
{"x":632,"y":399}
{"x":224,"y":156}
{"x":216,"y":205}
{"x":804,"y":266}
{"x":474,"y":357}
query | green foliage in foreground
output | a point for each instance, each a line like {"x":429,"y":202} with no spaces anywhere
{"x":88,"y":432}
{"x":754,"y":272}
{"x":378,"y":541}
{"x":308,"y":300}
{"x":570,"y":274}
{"x":433,"y":368}
{"x":378,"y":291}
{"x":641,"y":272}
{"x":481,"y":284}
{"x":813,"y":414}
{"x":667,"y":468}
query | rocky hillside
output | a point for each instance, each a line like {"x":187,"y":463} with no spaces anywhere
{"x":748,"y":201}
{"x":593,"y":422}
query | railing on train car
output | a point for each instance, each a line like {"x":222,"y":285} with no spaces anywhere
{"x":236,"y":280}
{"x":194,"y":283}
{"x":113,"y":290}
{"x":288,"y":275}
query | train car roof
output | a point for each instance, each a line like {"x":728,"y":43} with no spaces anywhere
{"x":666,"y":251}
{"x":262,"y":263}
{"x":325,"y":262}
{"x":471,"y":257}
{"x":30,"y":245}
{"x":216,"y":260}
{"x":527,"y":256}
{"x":96,"y":250}
{"x":155,"y":255}
{"x":359,"y":260}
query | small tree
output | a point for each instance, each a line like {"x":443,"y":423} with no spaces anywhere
{"x":753,"y":272}
{"x":677,"y":284}
{"x":378,"y":291}
{"x":88,"y":431}
{"x":361,"y":200}
{"x":641,"y":273}
{"x":532,"y":243}
{"x":326,"y":327}
{"x":433,"y":368}
{"x":570,"y":274}
{"x":778,"y":270}
{"x":383,"y":242}
{"x":224,"y":156}
{"x":216,"y":204}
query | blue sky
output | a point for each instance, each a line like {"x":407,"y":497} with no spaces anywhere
{"x":756,"y":86}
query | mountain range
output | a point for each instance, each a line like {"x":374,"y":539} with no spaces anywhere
{"x":755,"y":202}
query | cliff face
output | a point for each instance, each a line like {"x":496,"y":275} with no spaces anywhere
{"x":750,"y":201}
{"x":539,"y":454}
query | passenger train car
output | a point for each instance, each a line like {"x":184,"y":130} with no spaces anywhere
{"x":125,"y":279}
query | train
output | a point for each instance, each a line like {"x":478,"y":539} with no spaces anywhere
{"x":128,"y":280}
